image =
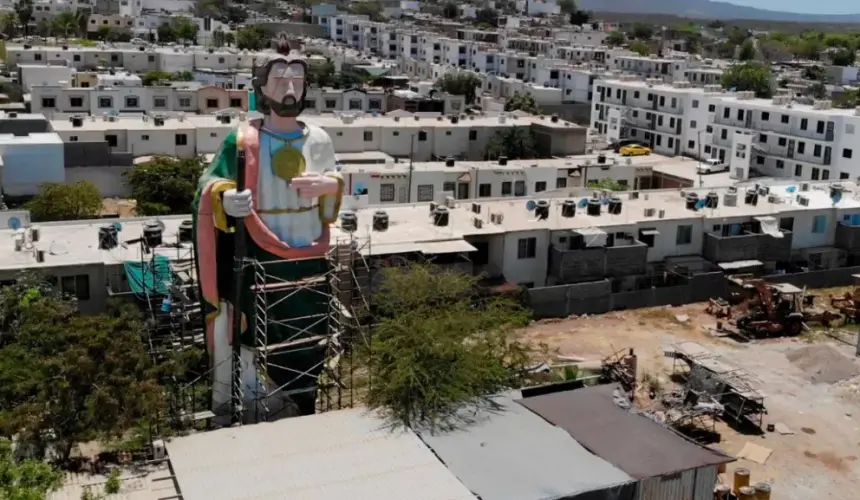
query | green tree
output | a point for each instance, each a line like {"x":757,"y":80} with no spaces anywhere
{"x":843,"y":57}
{"x":65,"y":24}
{"x":9,"y":22}
{"x":607,"y":183}
{"x":567,"y":7}
{"x":44,"y":28}
{"x":579,"y":17}
{"x":26,"y":479}
{"x":818,"y":90}
{"x":24,"y":10}
{"x":522,"y":102}
{"x":749,"y":76}
{"x":642,"y":31}
{"x":371,"y":9}
{"x":773,"y":50}
{"x":166,"y":33}
{"x":151,"y":78}
{"x":640,"y":47}
{"x":164,"y":185}
{"x":747,"y":51}
{"x":462,"y":83}
{"x":438,"y":348}
{"x":615,"y":38}
{"x":322,"y":75}
{"x":66,"y":378}
{"x":80,"y":200}
{"x":849,"y":99}
{"x":515,"y":143}
{"x":813,"y":73}
{"x":487,"y":17}
{"x":184,"y":29}
{"x":103,"y":32}
{"x":252,"y":38}
{"x":450,"y":11}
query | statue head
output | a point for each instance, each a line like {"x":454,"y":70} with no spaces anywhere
{"x":280,"y":84}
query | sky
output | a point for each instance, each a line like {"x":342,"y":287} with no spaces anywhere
{"x":804,"y":6}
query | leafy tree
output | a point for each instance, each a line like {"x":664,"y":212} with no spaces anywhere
{"x":9,"y":22}
{"x":65,"y":24}
{"x":749,"y":76}
{"x":607,"y":183}
{"x":716,"y":24}
{"x":773,"y":50}
{"x":166,"y":33}
{"x":849,"y":99}
{"x":642,"y":31}
{"x":450,"y":10}
{"x":522,"y":102}
{"x":164,"y":185}
{"x":462,"y":83}
{"x":439,"y":348}
{"x":487,"y":16}
{"x":371,"y":9}
{"x":813,"y":73}
{"x":66,"y":378}
{"x":27,"y":479}
{"x":80,"y":200}
{"x":24,"y":10}
{"x":747,"y":51}
{"x":818,"y":90}
{"x":640,"y":47}
{"x":184,"y":29}
{"x":515,"y":143}
{"x":44,"y":28}
{"x":221,"y":38}
{"x":615,"y":38}
{"x":252,"y":38}
{"x":567,"y":7}
{"x":579,"y":17}
{"x":844,"y":57}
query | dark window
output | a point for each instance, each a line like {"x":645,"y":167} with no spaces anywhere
{"x":801,"y":148}
{"x":815,"y":173}
{"x":520,"y":188}
{"x":526,"y":248}
{"x":76,"y":286}
{"x":561,"y":182}
{"x":540,"y":186}
{"x":49,"y":102}
{"x":798,"y":170}
{"x":485,"y":190}
{"x":422,"y":136}
{"x":111,"y":140}
{"x":473,"y":135}
{"x":783,"y":118}
{"x":235,"y":103}
{"x":781,"y":141}
{"x":804,"y":123}
{"x":212,"y":103}
{"x":847,"y":153}
{"x":765,"y":116}
{"x":181,"y":140}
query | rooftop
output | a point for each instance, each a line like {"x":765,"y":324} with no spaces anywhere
{"x":509,"y":453}
{"x":340,"y":455}
{"x":633,"y":443}
{"x":146,"y":482}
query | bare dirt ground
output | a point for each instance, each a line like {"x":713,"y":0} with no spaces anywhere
{"x":820,"y":460}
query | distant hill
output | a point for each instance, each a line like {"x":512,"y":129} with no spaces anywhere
{"x":706,"y":9}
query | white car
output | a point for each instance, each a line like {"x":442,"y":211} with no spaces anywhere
{"x":712,"y":165}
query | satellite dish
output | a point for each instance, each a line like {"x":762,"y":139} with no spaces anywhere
{"x":701,"y":204}
{"x":14,"y":223}
{"x":117,"y":226}
{"x":583,"y":203}
{"x":836,"y":195}
{"x":530,"y":205}
{"x":791,"y":189}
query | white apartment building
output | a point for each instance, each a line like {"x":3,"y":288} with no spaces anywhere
{"x":671,"y":119}
{"x":536,"y":7}
{"x":111,"y":99}
{"x":668,"y":70}
{"x":699,"y":77}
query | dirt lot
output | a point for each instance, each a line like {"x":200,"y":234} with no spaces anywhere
{"x":820,"y":460}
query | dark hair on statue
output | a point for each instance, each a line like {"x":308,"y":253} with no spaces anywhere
{"x":283,"y":47}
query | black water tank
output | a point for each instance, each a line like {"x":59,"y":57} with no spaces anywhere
{"x":593,"y":207}
{"x":152,"y":234}
{"x":751,"y":198}
{"x":380,"y":220}
{"x":432,"y":206}
{"x":712,"y":200}
{"x":615,"y":205}
{"x":503,"y":160}
{"x":542,"y":209}
{"x":186,"y":231}
{"x":601,"y":159}
{"x":692,"y":200}
{"x":440,"y":216}
{"x":348,"y":221}
{"x":568,"y":208}
{"x":449,"y":162}
{"x":108,"y":237}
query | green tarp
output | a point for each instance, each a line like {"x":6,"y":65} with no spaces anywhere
{"x":150,"y":278}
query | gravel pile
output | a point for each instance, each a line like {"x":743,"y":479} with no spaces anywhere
{"x":823,"y":364}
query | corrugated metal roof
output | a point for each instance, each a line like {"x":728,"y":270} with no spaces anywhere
{"x":510,"y":453}
{"x":633,"y":443}
{"x":338,"y":455}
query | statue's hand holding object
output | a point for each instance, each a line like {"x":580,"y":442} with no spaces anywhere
{"x":238,"y":203}
{"x":314,"y":184}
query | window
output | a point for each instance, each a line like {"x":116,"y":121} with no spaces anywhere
{"x":506,"y":188}
{"x":131,"y":102}
{"x":520,"y":188}
{"x":727,"y":112}
{"x":781,"y":141}
{"x":707,"y":149}
{"x":815,"y":173}
{"x":684,"y":236}
{"x":780,"y":164}
{"x":819,"y":127}
{"x":561,"y":182}
{"x":76,"y":286}
{"x":111,"y":140}
{"x":849,"y":128}
{"x":801,"y":148}
{"x":395,"y":134}
{"x":786,"y":223}
{"x":724,"y":134}
{"x":712,"y":108}
{"x":798,"y":170}
{"x":184,"y":102}
{"x":330,"y":103}
{"x":847,"y":153}
{"x":843,"y":175}
{"x":691,"y":144}
{"x":73,"y":138}
{"x":804,"y":123}
{"x":762,"y":138}
{"x":422,"y":136}
{"x":765,"y":116}
{"x":473,"y":135}
{"x":816,"y":151}
{"x":159,"y":102}
{"x":695,"y":103}
{"x":368,"y":136}
{"x":144,"y":137}
{"x":49,"y":102}
{"x":759,"y":160}
{"x":37,"y":57}
{"x":740,"y":114}
{"x":485,"y":190}
{"x":76,"y":102}
{"x":310,"y":104}
{"x":355,"y":104}
{"x":783,"y":118}
{"x":212,"y":103}
{"x":825,"y":175}
{"x":819,"y":224}
{"x":674,"y":102}
{"x":693,"y":123}
{"x":76,"y":58}
{"x":449,"y":187}
{"x":526,"y":248}
{"x":386,"y":192}
{"x":709,"y":129}
{"x":235,"y":103}
{"x":181,"y":140}
{"x":425,"y":192}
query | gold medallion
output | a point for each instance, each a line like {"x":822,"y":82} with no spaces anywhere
{"x":288,"y":163}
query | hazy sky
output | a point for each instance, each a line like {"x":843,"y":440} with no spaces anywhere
{"x":804,"y":6}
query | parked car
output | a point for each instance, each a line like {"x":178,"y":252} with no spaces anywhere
{"x":635,"y":150}
{"x":617,"y":145}
{"x":712,"y":166}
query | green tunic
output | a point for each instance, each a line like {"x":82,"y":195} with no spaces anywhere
{"x":291,"y":314}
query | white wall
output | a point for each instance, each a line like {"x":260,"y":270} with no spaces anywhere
{"x":526,"y":270}
{"x":29,"y":161}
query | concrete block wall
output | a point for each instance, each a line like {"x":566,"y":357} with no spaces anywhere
{"x":568,"y":266}
{"x":730,"y":248}
{"x":772,"y":249}
{"x":627,"y":260}
{"x":825,"y":278}
{"x":848,"y":237}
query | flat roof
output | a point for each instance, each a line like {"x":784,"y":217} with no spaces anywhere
{"x":509,"y":453}
{"x":339,"y":455}
{"x":635,"y":444}
{"x":144,"y":482}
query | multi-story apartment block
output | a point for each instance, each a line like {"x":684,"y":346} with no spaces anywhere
{"x":668,"y":70}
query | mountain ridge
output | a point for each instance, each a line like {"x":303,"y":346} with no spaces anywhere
{"x":708,"y":9}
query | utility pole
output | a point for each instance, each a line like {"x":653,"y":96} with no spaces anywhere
{"x":411,"y":153}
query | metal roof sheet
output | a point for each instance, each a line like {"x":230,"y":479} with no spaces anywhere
{"x":349,"y":455}
{"x":635,"y":444}
{"x":509,"y":453}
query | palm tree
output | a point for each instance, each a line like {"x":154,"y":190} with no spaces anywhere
{"x":65,"y":23}
{"x":9,"y":23}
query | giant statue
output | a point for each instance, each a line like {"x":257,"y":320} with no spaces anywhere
{"x":290,"y":195}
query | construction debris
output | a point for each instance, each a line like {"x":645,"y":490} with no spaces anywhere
{"x":783,"y":429}
{"x":823,"y":364}
{"x":756,"y":453}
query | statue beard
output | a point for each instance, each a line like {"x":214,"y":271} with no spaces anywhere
{"x":288,"y":107}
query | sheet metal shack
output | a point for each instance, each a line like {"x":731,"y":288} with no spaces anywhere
{"x":666,"y":465}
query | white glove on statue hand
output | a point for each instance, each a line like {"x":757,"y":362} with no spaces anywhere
{"x":238,"y":203}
